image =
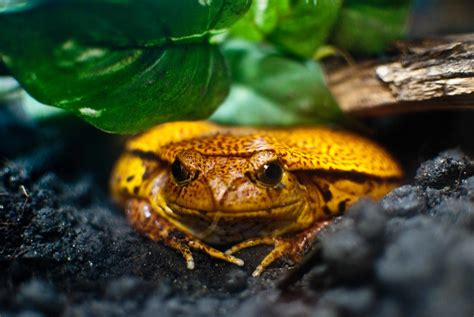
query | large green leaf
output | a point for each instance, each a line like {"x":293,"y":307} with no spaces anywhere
{"x":125,"y":23}
{"x":127,"y":90}
{"x":121,"y":65}
{"x":297,"y":26}
{"x":271,"y":89}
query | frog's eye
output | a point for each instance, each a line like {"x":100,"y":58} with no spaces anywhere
{"x":180,"y":173}
{"x":270,"y":174}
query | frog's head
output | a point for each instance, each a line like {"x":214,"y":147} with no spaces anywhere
{"x":232,"y":197}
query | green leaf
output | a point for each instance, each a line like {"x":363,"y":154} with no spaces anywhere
{"x":366,"y":29}
{"x":298,"y":26}
{"x":306,"y":25}
{"x":126,"y":23}
{"x":271,"y":89}
{"x":123,"y":66}
{"x":124,"y":91}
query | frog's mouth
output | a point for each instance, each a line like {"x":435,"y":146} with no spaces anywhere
{"x":220,"y":227}
{"x":287,"y":211}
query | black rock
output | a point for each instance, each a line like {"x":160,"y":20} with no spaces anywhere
{"x":405,"y":201}
{"x":347,"y":252}
{"x":236,"y":281}
{"x":357,"y":302}
{"x":37,"y":295}
{"x":446,"y":170}
{"x":369,"y":219}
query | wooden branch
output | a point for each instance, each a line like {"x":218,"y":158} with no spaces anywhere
{"x":426,"y":75}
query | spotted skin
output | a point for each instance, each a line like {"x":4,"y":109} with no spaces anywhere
{"x":222,"y":199}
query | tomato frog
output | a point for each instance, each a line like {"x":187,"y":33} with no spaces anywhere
{"x":198,"y":185}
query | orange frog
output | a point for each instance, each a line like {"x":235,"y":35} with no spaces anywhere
{"x":197,"y":184}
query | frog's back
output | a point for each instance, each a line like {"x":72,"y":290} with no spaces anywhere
{"x":304,"y":148}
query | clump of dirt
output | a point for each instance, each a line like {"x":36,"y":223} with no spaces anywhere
{"x":65,"y":249}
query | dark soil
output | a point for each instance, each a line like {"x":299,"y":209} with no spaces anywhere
{"x":65,"y":249}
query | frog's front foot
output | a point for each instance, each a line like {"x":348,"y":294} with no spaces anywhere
{"x":293,"y":247}
{"x":282,"y":247}
{"x":148,"y":222}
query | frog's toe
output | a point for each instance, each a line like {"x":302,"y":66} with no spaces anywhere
{"x":282,"y":248}
{"x":196,"y":244}
{"x":189,"y":261}
{"x":184,"y":250}
{"x":249,"y":243}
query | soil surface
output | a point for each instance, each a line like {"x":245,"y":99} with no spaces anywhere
{"x":66,"y":249}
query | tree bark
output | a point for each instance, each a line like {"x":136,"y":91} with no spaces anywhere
{"x":425,"y":75}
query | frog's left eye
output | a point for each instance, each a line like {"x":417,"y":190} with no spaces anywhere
{"x":180,"y":174}
{"x":270,"y":174}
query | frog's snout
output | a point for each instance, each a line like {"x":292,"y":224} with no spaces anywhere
{"x":236,"y":194}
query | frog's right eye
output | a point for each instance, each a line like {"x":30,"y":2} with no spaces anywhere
{"x":180,"y":174}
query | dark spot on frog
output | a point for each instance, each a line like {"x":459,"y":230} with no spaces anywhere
{"x":326,"y":210}
{"x":136,"y":189}
{"x":326,"y":193}
{"x":341,"y":207}
{"x":130,"y":178}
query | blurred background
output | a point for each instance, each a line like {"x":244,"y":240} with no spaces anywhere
{"x":435,"y":17}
